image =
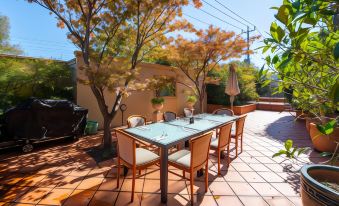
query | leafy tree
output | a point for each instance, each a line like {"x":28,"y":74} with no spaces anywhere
{"x":106,"y":29}
{"x":5,"y":46}
{"x":304,"y":41}
{"x":196,"y":58}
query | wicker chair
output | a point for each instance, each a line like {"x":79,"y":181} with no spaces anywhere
{"x":239,"y":131}
{"x":169,"y":116}
{"x":132,"y":157}
{"x":220,"y":143}
{"x":224,"y":111}
{"x":194,"y":159}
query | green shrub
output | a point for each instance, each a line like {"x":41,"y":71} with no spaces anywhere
{"x":192,"y":99}
{"x":21,"y":78}
{"x":157,"y":100}
{"x":246,"y":78}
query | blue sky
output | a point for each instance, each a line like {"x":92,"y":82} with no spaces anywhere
{"x":35,"y":30}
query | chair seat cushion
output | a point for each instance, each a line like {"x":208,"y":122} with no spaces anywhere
{"x":144,"y":156}
{"x":214,"y":143}
{"x":181,"y":157}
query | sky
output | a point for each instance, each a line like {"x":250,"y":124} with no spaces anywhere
{"x":35,"y":31}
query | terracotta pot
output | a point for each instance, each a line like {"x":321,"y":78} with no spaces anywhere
{"x":158,"y":107}
{"x":190,"y":105}
{"x":300,"y":114}
{"x":309,"y":120}
{"x":323,"y":143}
{"x":313,"y":193}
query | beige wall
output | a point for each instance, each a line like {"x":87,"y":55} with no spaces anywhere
{"x":137,"y":102}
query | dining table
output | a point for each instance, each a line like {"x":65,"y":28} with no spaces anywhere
{"x":168,"y":134}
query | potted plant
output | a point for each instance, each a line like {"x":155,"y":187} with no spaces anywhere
{"x":191,"y":100}
{"x":157,"y":103}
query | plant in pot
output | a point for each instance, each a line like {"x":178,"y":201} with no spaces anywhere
{"x":190,"y":101}
{"x":157,"y":103}
{"x":304,"y":43}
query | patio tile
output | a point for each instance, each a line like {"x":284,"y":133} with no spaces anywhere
{"x":271,"y":177}
{"x":241,"y":167}
{"x":172,"y":200}
{"x":204,"y":200}
{"x":110,"y":184}
{"x":249,"y":201}
{"x":287,"y":189}
{"x":259,"y":167}
{"x":251,"y":177}
{"x":278,"y":201}
{"x":104,"y":198}
{"x":50,"y":181}
{"x":79,"y":198}
{"x":177,"y":187}
{"x":34,"y":195}
{"x":249,"y":160}
{"x":11,"y":193}
{"x":99,"y":172}
{"x":127,"y":185}
{"x":31,"y":180}
{"x":124,"y":198}
{"x":233,"y":176}
{"x":90,"y":183}
{"x":265,"y":189}
{"x":56,"y":197}
{"x":220,"y":188}
{"x":152,"y":186}
{"x":228,"y":200}
{"x":265,"y":160}
{"x":12,"y":178}
{"x":69,"y":182}
{"x":79,"y":172}
{"x":296,"y":200}
{"x":242,"y":188}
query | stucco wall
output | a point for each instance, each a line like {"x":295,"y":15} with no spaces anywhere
{"x":137,"y":102}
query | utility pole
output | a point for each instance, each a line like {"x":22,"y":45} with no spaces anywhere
{"x":248,"y":60}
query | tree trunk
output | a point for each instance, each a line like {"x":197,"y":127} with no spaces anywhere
{"x":201,"y":104}
{"x":107,"y":139}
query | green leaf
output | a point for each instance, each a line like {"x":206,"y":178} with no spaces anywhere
{"x":328,"y":128}
{"x":275,"y":59}
{"x":281,"y":152}
{"x":326,"y":154}
{"x":334,"y":92}
{"x":296,"y":4}
{"x":288,"y":144}
{"x":302,"y":150}
{"x":277,"y":32}
{"x":336,"y":51}
{"x":283,"y":14}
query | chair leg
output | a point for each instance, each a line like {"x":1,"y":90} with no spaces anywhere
{"x":228,"y":155}
{"x":139,"y":172}
{"x":133,"y":184}
{"x":241,"y":141}
{"x":192,"y":182}
{"x":118,"y":173}
{"x":206,"y":177}
{"x":183,"y":174}
{"x":218,"y":161}
{"x":236,"y":147}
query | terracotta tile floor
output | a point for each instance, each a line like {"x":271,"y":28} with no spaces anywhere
{"x":67,"y":175}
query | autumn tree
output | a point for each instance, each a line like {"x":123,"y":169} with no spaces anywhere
{"x":196,"y":58}
{"x":106,"y":29}
{"x":5,"y":46}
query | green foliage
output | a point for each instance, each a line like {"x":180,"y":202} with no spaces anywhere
{"x":21,"y":78}
{"x":5,"y":46}
{"x":157,"y":100}
{"x":327,"y":128}
{"x":290,"y":151}
{"x":246,"y":75}
{"x":192,"y":99}
{"x":305,"y":51}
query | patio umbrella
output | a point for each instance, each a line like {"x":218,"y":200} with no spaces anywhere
{"x":232,"y":86}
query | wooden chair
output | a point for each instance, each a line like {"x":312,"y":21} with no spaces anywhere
{"x":133,"y":157}
{"x":194,"y":159}
{"x":239,"y":131}
{"x":136,"y":120}
{"x":224,"y":111}
{"x":220,"y":143}
{"x":169,"y":116}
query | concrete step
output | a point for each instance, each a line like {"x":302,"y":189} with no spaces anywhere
{"x":273,"y":106}
{"x":272,"y":99}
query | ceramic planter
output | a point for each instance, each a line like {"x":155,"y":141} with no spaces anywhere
{"x":323,"y":143}
{"x":157,"y":107}
{"x":190,"y":105}
{"x":313,"y":193}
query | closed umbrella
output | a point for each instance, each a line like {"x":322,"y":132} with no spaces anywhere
{"x":232,"y":86}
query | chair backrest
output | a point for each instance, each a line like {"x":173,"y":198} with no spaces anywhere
{"x":188,"y":112}
{"x":136,"y":120}
{"x":169,"y":116}
{"x":126,"y":147}
{"x":224,"y":111}
{"x":240,"y":125}
{"x":200,"y":149}
{"x":225,"y":134}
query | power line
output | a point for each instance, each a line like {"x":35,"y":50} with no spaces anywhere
{"x":224,"y":13}
{"x":220,"y":19}
{"x":233,"y":12}
{"x":197,"y":19}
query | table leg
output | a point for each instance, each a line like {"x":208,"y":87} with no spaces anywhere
{"x":164,"y":174}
